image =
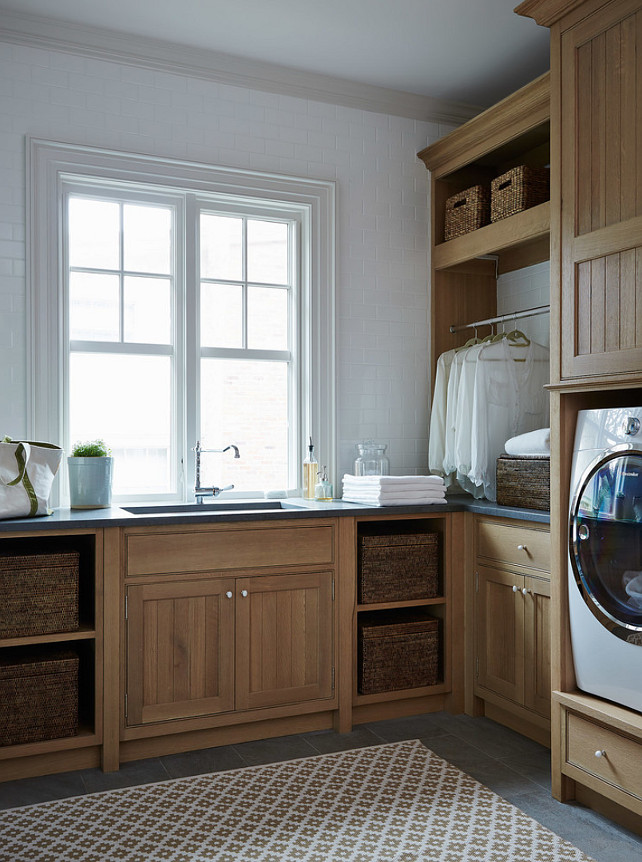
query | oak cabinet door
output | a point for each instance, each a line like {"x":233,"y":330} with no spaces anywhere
{"x":537,"y":646}
{"x":601,"y":194}
{"x":499,"y":625}
{"x":284,"y":639}
{"x":180,"y":650}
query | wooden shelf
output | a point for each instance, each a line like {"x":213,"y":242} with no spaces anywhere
{"x":520,"y":229}
{"x":85,"y":738}
{"x":412,"y":603}
{"x":402,"y":694}
{"x":82,"y":634}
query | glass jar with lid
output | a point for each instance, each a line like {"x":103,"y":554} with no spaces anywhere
{"x":371,"y":460}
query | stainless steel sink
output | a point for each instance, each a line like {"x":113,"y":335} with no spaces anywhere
{"x":210,"y":508}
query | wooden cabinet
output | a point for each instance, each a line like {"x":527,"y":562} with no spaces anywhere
{"x":512,"y":621}
{"x":84,"y":641}
{"x":220,"y":644}
{"x":463,"y":286}
{"x":596,"y":334}
{"x":600,"y":266}
{"x":447,"y":606}
{"x":228,"y":620}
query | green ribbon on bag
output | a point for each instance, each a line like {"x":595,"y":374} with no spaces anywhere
{"x":23,"y":478}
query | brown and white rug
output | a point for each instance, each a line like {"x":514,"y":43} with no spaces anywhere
{"x":388,"y":803}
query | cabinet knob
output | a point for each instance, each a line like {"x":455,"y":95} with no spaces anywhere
{"x":515,"y":588}
{"x":522,"y":548}
{"x":228,"y":594}
{"x":244,"y":593}
{"x":525,"y":592}
{"x":601,"y":753}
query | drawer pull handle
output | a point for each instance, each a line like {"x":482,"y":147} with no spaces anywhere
{"x":601,"y":753}
{"x":244,"y":593}
{"x":228,"y":594}
{"x":522,"y":548}
{"x":515,"y":588}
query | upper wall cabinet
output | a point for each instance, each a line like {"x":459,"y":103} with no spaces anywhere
{"x":595,"y":50}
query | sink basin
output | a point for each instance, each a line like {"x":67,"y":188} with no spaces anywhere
{"x":210,"y":508}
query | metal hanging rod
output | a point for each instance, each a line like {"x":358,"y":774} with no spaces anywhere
{"x":529,"y":312}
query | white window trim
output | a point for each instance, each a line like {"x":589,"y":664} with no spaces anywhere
{"x":50,"y":163}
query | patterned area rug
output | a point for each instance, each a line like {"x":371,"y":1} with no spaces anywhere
{"x":389,"y":802}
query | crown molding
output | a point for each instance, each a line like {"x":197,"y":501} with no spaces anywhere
{"x":144,"y":52}
{"x":546,"y":12}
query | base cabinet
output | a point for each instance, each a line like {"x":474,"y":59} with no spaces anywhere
{"x":512,"y":638}
{"x":217,"y":645}
{"x":512,"y":620}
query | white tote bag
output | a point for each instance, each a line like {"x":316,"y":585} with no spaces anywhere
{"x":27,"y":471}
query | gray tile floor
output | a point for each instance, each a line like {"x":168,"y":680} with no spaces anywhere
{"x":511,"y":765}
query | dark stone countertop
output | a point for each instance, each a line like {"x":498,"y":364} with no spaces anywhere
{"x":294,"y":508}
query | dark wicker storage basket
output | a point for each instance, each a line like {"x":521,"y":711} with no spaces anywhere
{"x":398,"y":568}
{"x":395,"y":654}
{"x":467,"y":211}
{"x":518,"y":189}
{"x":524,"y":482}
{"x":38,"y":594}
{"x":38,"y":696}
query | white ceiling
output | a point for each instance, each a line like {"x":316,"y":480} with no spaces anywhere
{"x":467,"y":51}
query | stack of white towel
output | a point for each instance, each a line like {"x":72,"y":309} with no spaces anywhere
{"x":394,"y":490}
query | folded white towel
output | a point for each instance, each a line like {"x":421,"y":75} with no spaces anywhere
{"x":532,"y":443}
{"x":394,"y":489}
{"x":427,"y":501}
{"x":396,"y":495}
{"x":385,"y":481}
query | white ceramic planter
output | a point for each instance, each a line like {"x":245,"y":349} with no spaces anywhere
{"x":90,"y":482}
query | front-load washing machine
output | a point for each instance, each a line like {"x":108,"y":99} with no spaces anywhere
{"x":605,"y":554}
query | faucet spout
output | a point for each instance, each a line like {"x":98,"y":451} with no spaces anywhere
{"x":200,"y":492}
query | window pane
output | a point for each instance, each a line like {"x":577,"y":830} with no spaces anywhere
{"x":221,"y":247}
{"x":147,"y":238}
{"x":221,"y":315}
{"x":267,"y":318}
{"x":94,"y":233}
{"x":246,"y":403}
{"x":147,"y":311}
{"x":126,"y":401}
{"x":267,"y":252}
{"x":94,"y":307}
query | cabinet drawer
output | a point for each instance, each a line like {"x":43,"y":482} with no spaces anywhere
{"x":619,"y":765}
{"x":178,"y":551}
{"x":521,"y":546}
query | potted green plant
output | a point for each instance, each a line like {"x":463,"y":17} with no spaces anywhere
{"x":90,"y":471}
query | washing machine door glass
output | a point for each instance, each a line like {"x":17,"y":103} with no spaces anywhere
{"x":606,"y":542}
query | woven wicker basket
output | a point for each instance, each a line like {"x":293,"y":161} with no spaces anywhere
{"x":524,"y":482}
{"x":395,"y":655}
{"x":38,"y":594}
{"x":38,"y":696}
{"x":467,"y":211}
{"x":398,"y":568}
{"x":518,"y":189}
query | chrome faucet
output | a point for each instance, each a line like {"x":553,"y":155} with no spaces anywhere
{"x":199,"y":492}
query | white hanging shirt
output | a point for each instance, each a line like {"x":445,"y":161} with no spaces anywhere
{"x":509,"y":399}
{"x":450,"y":458}
{"x":463,"y":420}
{"x":437,"y":439}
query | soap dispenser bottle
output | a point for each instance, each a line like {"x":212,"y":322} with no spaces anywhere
{"x":323,"y":489}
{"x":310,"y":473}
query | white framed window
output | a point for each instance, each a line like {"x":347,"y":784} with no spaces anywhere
{"x":174,"y":302}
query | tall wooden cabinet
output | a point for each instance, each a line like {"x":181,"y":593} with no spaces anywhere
{"x":596,"y":335}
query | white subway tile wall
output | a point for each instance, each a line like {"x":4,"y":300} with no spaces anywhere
{"x":527,"y":288}
{"x":382,"y":216}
